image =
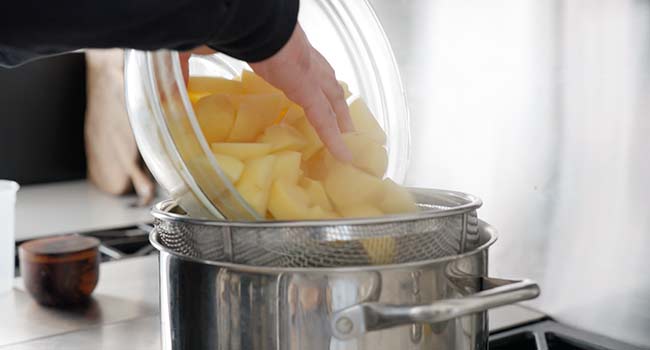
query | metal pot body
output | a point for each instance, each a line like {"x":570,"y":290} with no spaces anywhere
{"x":438,"y":304}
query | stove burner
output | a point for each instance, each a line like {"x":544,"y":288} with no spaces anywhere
{"x":550,"y":335}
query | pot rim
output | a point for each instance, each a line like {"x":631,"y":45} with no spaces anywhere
{"x":483,"y":226}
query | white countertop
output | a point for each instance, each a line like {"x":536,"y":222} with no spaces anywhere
{"x":71,"y":207}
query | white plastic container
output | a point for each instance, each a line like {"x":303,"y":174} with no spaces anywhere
{"x":8,"y":191}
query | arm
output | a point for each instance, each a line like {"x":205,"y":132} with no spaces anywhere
{"x":251,"y":30}
{"x":263,"y":32}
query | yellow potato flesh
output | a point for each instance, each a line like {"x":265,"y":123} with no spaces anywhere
{"x":315,"y":166}
{"x":314,"y":143}
{"x":266,"y":146}
{"x":196,"y":96}
{"x":367,"y":155}
{"x":365,"y":122}
{"x":241,"y":150}
{"x":254,"y":84}
{"x":231,"y":166}
{"x":290,"y":202}
{"x":256,"y":113}
{"x":214,"y":85}
{"x":215,"y":114}
{"x":287,"y":167}
{"x":316,"y":193}
{"x":396,"y":199}
{"x":349,"y":186}
{"x":255,"y":182}
{"x":380,"y":251}
{"x":283,"y":137}
{"x":294,"y":114}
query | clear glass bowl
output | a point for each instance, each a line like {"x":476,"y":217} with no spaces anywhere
{"x":347,"y":33}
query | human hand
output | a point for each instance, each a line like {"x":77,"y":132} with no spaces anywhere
{"x":304,"y":75}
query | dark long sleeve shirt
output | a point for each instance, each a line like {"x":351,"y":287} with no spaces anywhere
{"x":251,"y":30}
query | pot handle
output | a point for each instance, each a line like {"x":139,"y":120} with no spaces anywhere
{"x":356,"y":320}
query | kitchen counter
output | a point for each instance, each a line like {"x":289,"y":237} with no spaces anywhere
{"x":71,"y":207}
{"x":123,"y":314}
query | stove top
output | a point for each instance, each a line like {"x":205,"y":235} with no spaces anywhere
{"x":550,"y":335}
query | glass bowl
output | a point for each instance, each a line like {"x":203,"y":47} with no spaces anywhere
{"x":168,"y":135}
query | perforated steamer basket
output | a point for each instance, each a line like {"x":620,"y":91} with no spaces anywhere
{"x":168,"y":135}
{"x":446,"y":225}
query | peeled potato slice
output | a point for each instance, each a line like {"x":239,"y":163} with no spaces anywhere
{"x":316,"y":193}
{"x":287,"y":167}
{"x":367,"y":155}
{"x":256,"y":113}
{"x":294,"y":114}
{"x":314,"y":144}
{"x":216,"y":115}
{"x":396,"y":199}
{"x":255,"y":182}
{"x":241,"y":150}
{"x":231,"y":166}
{"x":349,"y":186}
{"x":214,"y":85}
{"x":283,"y":137}
{"x":365,"y":122}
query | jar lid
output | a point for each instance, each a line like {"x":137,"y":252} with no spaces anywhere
{"x":60,"y":245}
{"x":346,"y":33}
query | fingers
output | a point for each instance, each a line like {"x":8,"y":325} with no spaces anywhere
{"x":336,"y":97}
{"x":334,"y":93}
{"x":322,"y":117}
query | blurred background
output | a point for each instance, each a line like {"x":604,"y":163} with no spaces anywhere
{"x":541,"y":108}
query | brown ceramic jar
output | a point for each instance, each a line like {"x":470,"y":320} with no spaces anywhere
{"x":60,"y":271}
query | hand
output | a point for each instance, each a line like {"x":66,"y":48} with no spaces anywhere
{"x":307,"y":79}
{"x":304,"y":75}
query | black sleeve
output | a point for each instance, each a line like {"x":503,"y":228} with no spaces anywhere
{"x":251,"y":30}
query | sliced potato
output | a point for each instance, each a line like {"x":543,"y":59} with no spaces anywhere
{"x":315,"y":167}
{"x":367,"y":154}
{"x":254,"y":84}
{"x":241,"y":150}
{"x":288,"y":201}
{"x":231,"y":166}
{"x":349,"y":186}
{"x":287,"y":167}
{"x":291,"y":202}
{"x":314,"y":144}
{"x":214,"y":85}
{"x":365,"y":122}
{"x":256,"y":113}
{"x":283,"y":137}
{"x":316,"y":193}
{"x":216,"y":115}
{"x":255,"y":182}
{"x":380,"y":251}
{"x":396,"y":199}
{"x":294,"y":114}
{"x":196,"y":96}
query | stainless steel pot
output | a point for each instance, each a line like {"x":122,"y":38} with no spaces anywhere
{"x":438,"y":304}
